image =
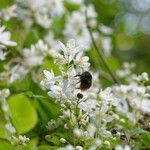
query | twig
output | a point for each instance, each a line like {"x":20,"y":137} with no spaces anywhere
{"x":106,"y":76}
{"x":101,"y":55}
{"x":76,"y":112}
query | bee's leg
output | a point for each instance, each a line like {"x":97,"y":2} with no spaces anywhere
{"x":78,"y":75}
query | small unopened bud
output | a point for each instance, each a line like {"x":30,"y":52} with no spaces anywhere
{"x":5,"y":93}
{"x":51,"y":125}
{"x":79,"y":148}
{"x":144,"y":76}
{"x":107,"y":143}
{"x":68,"y":103}
{"x":74,"y":103}
{"x":114,"y":138}
{"x":110,"y":112}
{"x":48,"y":137}
{"x":115,"y":116}
{"x":78,"y":132}
{"x":63,"y":106}
{"x":122,"y":120}
{"x":103,"y":121}
{"x":66,"y":126}
{"x":62,"y":140}
{"x":80,"y":95}
{"x":118,"y":134}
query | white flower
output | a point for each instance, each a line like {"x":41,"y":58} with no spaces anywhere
{"x":143,"y":77}
{"x":91,"y":13}
{"x":10,"y":128}
{"x":21,"y":140}
{"x":42,"y":18}
{"x":56,"y":92}
{"x":126,"y":71}
{"x":88,"y":105}
{"x":119,"y":147}
{"x":5,"y":37}
{"x":17,"y":72}
{"x":91,"y":130}
{"x":51,"y":124}
{"x":76,"y":28}
{"x":40,"y":11}
{"x":79,"y":148}
{"x":49,"y":79}
{"x":77,"y":2}
{"x":78,"y":132}
{"x":69,"y":80}
{"x":68,"y":147}
{"x":74,"y":24}
{"x":9,"y":12}
{"x":146,"y":105}
{"x":35,"y":55}
{"x":59,"y":59}
{"x":105,"y":29}
{"x":81,"y":62}
{"x":106,"y":95}
{"x":56,"y":8}
{"x":52,"y":43}
{"x":2,"y":54}
{"x":97,"y":142}
{"x":107,"y":45}
{"x":4,"y":93}
{"x":70,"y":50}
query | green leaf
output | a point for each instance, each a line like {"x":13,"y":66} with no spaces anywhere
{"x":55,"y":140}
{"x":5,"y":145}
{"x":24,"y":116}
{"x":46,"y":147}
{"x":22,"y":85}
{"x":32,"y":145}
{"x":3,"y":133}
{"x":146,"y":139}
{"x":49,"y":64}
{"x":5,"y":3}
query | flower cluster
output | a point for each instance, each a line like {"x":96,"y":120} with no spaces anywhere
{"x":87,"y":118}
{"x":5,"y":42}
{"x":76,"y":26}
{"x":46,"y":13}
{"x":32,"y":57}
{"x":134,"y":94}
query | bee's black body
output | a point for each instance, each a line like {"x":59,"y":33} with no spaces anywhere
{"x":85,"y":80}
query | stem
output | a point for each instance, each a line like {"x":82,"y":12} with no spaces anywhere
{"x":106,"y":76}
{"x":76,"y":113}
{"x":100,"y":52}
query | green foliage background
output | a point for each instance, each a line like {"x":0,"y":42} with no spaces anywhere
{"x":30,"y":111}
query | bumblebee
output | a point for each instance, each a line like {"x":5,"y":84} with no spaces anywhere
{"x":85,"y":80}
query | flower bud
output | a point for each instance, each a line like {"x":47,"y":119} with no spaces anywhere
{"x":107,"y":143}
{"x":5,"y":93}
{"x":79,"y":148}
{"x":62,"y":140}
{"x":80,"y":95}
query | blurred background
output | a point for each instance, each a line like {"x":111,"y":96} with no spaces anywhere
{"x":130,"y":21}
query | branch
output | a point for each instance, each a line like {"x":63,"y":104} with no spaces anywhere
{"x":100,"y":52}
